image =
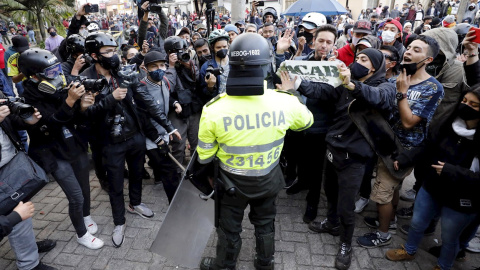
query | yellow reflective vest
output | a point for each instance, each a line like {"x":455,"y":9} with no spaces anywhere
{"x":246,"y":133}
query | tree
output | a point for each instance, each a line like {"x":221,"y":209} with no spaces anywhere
{"x":39,"y":11}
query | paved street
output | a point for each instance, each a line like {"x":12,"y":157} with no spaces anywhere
{"x":296,"y":246}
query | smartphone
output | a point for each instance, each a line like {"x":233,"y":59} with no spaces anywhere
{"x":150,"y":37}
{"x":91,"y":8}
{"x":477,"y":33}
{"x":260,"y":3}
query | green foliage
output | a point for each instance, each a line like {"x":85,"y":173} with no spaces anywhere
{"x":41,"y":45}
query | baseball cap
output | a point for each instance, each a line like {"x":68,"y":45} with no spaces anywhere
{"x":231,"y":27}
{"x":20,"y":43}
{"x":394,"y":22}
{"x":363,"y":26}
{"x":201,"y":26}
{"x":364,"y":42}
{"x":309,"y":25}
{"x":241,"y":22}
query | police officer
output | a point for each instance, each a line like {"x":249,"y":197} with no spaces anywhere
{"x":245,"y":128}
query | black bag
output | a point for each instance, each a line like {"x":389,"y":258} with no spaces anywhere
{"x":20,"y":180}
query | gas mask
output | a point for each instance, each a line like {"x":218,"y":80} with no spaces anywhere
{"x":54,"y":79}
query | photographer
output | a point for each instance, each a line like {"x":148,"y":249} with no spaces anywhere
{"x":55,"y":142}
{"x":119,"y":131}
{"x":76,"y":62}
{"x":159,"y":40}
{"x":18,"y":224}
{"x":215,"y":83}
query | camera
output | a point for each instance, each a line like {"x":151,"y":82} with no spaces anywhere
{"x":129,"y":75}
{"x":154,"y":5}
{"x":92,"y":85}
{"x":18,"y":107}
{"x":183,"y":56}
{"x":117,"y":125}
{"x":214,"y":71}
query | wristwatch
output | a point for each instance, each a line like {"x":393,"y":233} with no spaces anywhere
{"x":400,"y":96}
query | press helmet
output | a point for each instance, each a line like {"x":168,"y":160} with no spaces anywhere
{"x":97,"y":40}
{"x":216,"y":36}
{"x":75,"y":44}
{"x":175,"y":43}
{"x":93,"y":27}
{"x":314,"y":19}
{"x":270,"y":11}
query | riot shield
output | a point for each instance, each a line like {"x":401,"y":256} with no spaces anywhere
{"x":379,"y":135}
{"x":189,"y":221}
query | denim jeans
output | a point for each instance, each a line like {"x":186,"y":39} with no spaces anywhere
{"x":31,"y":36}
{"x":22,"y":241}
{"x":73,"y":178}
{"x":452,"y":222}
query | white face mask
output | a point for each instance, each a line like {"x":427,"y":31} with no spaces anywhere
{"x":388,"y":36}
{"x":355,"y":41}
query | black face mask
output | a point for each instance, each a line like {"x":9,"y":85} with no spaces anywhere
{"x":435,"y":67}
{"x":308,"y":36}
{"x":222,"y":53}
{"x":358,"y":71}
{"x":411,"y":68}
{"x":204,"y":58}
{"x":467,"y":113}
{"x":110,"y":63}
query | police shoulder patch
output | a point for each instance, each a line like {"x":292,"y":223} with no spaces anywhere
{"x":213,"y":100}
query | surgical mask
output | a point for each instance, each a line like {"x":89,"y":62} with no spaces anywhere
{"x":222,"y":53}
{"x":157,"y":75}
{"x":412,"y":68}
{"x":110,"y":63}
{"x":53,"y":34}
{"x":358,"y":71}
{"x":355,"y":40}
{"x":54,"y":85}
{"x":388,"y":36}
{"x":467,"y":113}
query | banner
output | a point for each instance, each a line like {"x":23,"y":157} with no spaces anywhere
{"x":315,"y":71}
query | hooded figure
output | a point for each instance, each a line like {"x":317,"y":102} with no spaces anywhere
{"x":448,"y":71}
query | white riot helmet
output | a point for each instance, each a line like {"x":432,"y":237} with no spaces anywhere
{"x":313,"y":20}
{"x":93,"y":27}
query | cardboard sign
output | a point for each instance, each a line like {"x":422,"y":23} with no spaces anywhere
{"x":315,"y":71}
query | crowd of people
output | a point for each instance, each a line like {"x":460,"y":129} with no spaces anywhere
{"x":154,"y":90}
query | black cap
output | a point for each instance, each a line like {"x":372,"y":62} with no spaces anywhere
{"x":154,"y":56}
{"x":20,"y":43}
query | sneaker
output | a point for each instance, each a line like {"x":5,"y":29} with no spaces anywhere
{"x":92,"y":227}
{"x":295,"y":188}
{"x":371,"y":240}
{"x":409,"y":195}
{"x":42,"y":266}
{"x":474,"y":245}
{"x":90,"y":241}
{"x":344,"y":257}
{"x":435,"y":251}
{"x":374,"y":223}
{"x":118,"y":235}
{"x":429,"y":231}
{"x":290,"y":182}
{"x":399,"y":255}
{"x":46,"y":245}
{"x":310,"y":214}
{"x":405,"y":212}
{"x":325,"y":227}
{"x":360,"y":204}
{"x":141,"y":209}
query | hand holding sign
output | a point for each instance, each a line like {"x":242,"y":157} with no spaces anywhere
{"x":345,"y":76}
{"x":315,"y":71}
{"x":287,"y":83}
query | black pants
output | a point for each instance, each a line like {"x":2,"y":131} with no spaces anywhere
{"x":366,"y":187}
{"x":292,"y":151}
{"x":164,"y":170}
{"x":114,"y":156}
{"x":310,"y":165}
{"x":342,"y":184}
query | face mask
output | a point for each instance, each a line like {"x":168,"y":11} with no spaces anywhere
{"x":358,"y":71}
{"x":205,"y":58}
{"x":52,"y":86}
{"x":222,"y":53}
{"x":467,"y":113}
{"x":110,"y":63}
{"x":471,"y":8}
{"x":411,"y":68}
{"x":388,"y":36}
{"x":241,"y":30}
{"x":355,"y":40}
{"x":157,"y":75}
{"x":308,"y":36}
{"x":53,"y":34}
{"x":436,"y":65}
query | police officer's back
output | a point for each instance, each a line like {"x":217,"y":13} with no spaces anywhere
{"x":245,"y":128}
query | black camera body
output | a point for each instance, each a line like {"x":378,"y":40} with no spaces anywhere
{"x":18,"y":107}
{"x":214,"y":71}
{"x":154,"y":6}
{"x":92,"y":85}
{"x":117,"y":126}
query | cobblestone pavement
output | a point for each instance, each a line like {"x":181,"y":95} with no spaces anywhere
{"x":296,"y":247}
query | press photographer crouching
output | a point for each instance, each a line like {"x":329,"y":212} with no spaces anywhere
{"x":55,"y":141}
{"x":117,"y":128}
{"x":18,"y":223}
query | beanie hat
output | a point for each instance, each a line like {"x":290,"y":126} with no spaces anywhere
{"x":375,"y":56}
{"x":231,"y":27}
{"x":407,"y":24}
{"x":449,"y":21}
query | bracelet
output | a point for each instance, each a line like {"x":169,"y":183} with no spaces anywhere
{"x":470,"y":55}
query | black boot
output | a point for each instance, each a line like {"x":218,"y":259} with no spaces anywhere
{"x":310,"y":214}
{"x":344,"y":257}
{"x":265,"y":248}
{"x":227,"y":254}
